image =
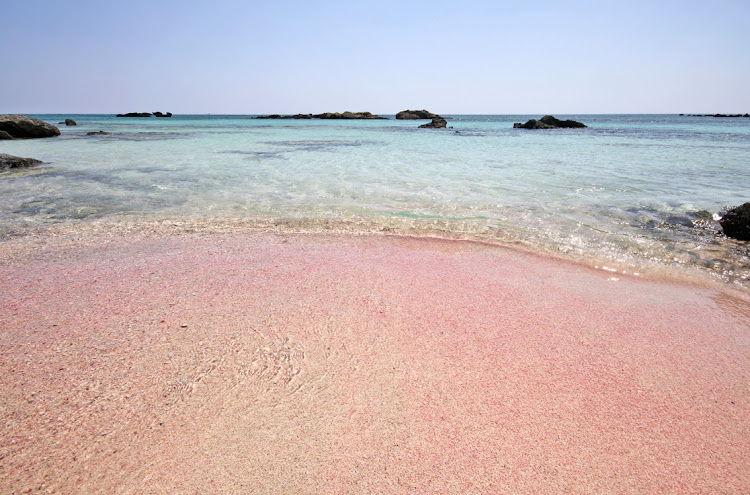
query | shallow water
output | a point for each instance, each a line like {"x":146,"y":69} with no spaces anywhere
{"x":632,"y":191}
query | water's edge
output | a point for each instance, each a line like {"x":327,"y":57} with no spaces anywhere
{"x":18,"y":243}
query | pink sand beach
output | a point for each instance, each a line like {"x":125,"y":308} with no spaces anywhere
{"x":256,"y":362}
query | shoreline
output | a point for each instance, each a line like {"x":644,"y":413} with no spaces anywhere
{"x":146,"y":357}
{"x":680,"y":271}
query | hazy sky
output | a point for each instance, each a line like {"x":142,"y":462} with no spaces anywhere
{"x":460,"y":56}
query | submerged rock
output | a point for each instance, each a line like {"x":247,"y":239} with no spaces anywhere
{"x":98,"y":133}
{"x":21,"y":126}
{"x":736,"y":222}
{"x":416,"y":115}
{"x":675,"y":220}
{"x":437,"y":123}
{"x":10,"y":161}
{"x":548,"y":122}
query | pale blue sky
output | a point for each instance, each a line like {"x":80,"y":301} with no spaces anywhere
{"x":563,"y":57}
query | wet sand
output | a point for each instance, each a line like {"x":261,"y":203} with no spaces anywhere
{"x":234,"y":362}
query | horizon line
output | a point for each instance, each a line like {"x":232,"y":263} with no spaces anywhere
{"x":686,"y":114}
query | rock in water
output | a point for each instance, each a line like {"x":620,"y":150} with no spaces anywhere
{"x":70,"y":122}
{"x":416,"y":115}
{"x":548,"y":122}
{"x":10,"y":161}
{"x":134,"y":114}
{"x":98,"y":133}
{"x":736,"y":222}
{"x":437,"y":123}
{"x":5,"y":135}
{"x":21,"y":126}
{"x":532,"y":124}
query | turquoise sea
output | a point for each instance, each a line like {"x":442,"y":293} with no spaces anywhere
{"x":634,"y":192}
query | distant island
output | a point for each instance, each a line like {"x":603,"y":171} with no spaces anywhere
{"x":326,"y":115}
{"x":733,"y":116}
{"x":144,"y":114}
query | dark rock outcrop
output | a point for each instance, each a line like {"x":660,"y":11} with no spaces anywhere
{"x":134,"y":114}
{"x":21,"y":126}
{"x":70,"y":122}
{"x":416,"y":115}
{"x":10,"y":161}
{"x":736,"y":222}
{"x":532,"y":124}
{"x":5,"y":135}
{"x":98,"y":133}
{"x":159,"y":114}
{"x":437,"y":123}
{"x":548,"y":122}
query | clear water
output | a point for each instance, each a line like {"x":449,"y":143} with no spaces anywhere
{"x":630,"y":190}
